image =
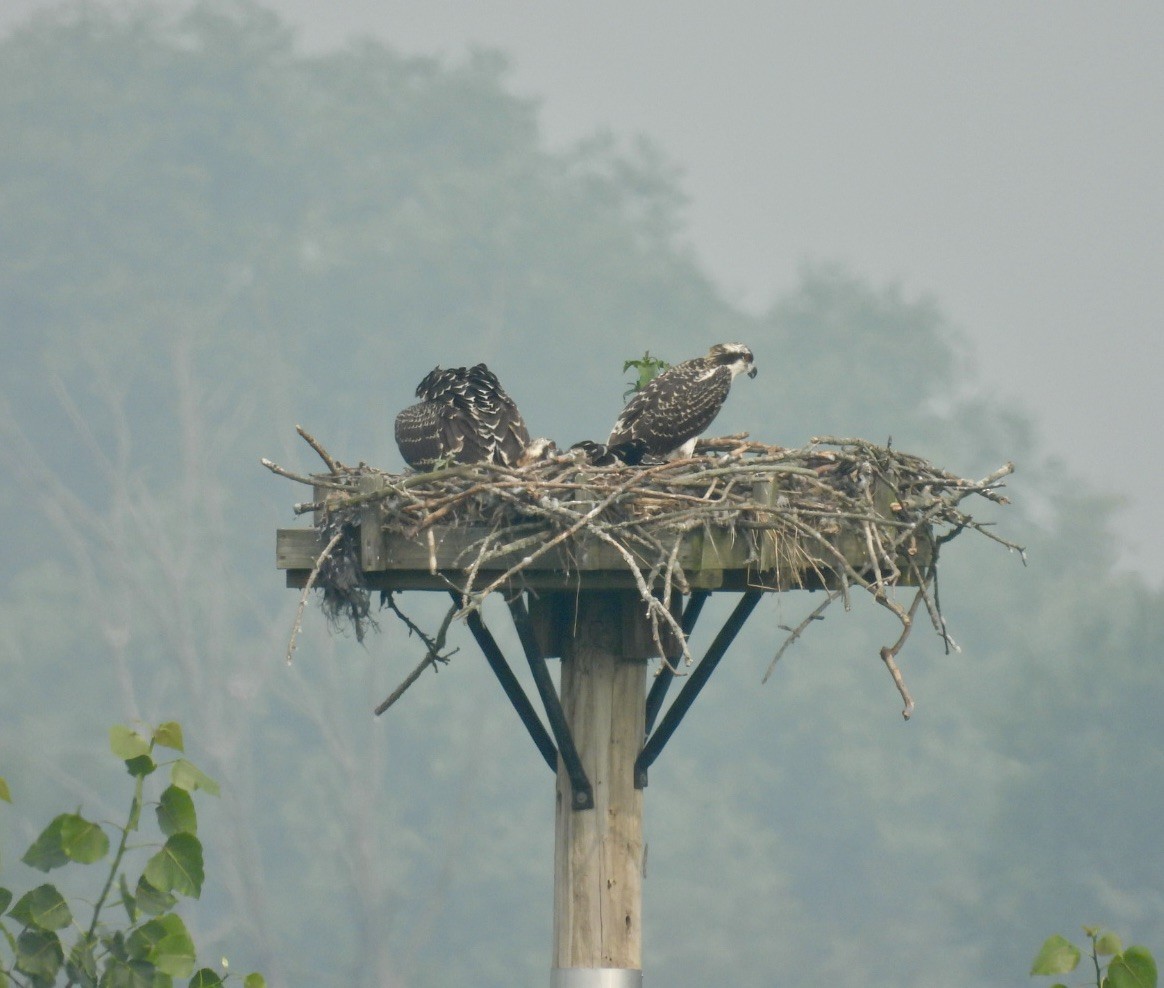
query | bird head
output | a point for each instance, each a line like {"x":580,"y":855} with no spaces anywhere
{"x":734,"y":356}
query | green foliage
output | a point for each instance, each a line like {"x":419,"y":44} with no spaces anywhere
{"x":43,"y":908}
{"x":175,"y":812}
{"x":189,"y":777}
{"x":1134,"y":968}
{"x":153,"y":947}
{"x":127,"y":743}
{"x":1131,"y":968}
{"x":647,"y":368}
{"x":177,"y":867}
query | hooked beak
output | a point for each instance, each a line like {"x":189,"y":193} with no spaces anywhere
{"x":752,"y":372}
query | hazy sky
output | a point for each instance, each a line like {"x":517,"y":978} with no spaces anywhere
{"x":1003,"y":157}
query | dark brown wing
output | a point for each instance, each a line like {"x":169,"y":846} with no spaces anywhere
{"x":675,"y":406}
{"x":420,"y":434}
{"x":466,"y":417}
{"x":498,"y":424}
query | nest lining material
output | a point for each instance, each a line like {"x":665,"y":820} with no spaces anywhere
{"x":851,"y":513}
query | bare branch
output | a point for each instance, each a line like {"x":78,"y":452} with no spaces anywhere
{"x":431,"y":657}
{"x":333,"y":465}
{"x":795,"y":633}
{"x":323,"y":556}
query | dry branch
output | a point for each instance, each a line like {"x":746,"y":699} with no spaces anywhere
{"x":431,"y":658}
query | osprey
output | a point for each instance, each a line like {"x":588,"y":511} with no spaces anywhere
{"x":673,"y":409}
{"x":463,"y":416}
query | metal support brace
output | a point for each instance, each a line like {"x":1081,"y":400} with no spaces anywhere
{"x":695,"y":682}
{"x":662,"y":683}
{"x":512,"y":687}
{"x":583,"y":793}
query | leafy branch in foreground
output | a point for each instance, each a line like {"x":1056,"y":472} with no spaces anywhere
{"x":152,"y":946}
{"x":647,"y":368}
{"x":1134,"y":967}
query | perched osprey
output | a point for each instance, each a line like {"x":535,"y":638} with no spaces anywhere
{"x":673,"y":409}
{"x":463,"y":416}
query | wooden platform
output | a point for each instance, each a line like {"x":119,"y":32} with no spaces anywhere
{"x":712,"y":559}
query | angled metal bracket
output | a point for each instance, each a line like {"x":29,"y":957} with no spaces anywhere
{"x":512,"y":687}
{"x":583,"y":793}
{"x":662,"y":683}
{"x":695,"y":682}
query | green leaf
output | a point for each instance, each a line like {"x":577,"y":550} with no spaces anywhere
{"x":176,"y":812}
{"x":129,"y":974}
{"x":177,"y":867}
{"x":82,"y":964}
{"x":83,"y":841}
{"x":206,"y":978}
{"x":5,"y":900}
{"x":44,"y":908}
{"x":141,"y":766}
{"x":174,"y":955}
{"x":186,"y":775}
{"x":127,"y":743}
{"x":47,"y":851}
{"x":141,"y":941}
{"x":169,"y":735}
{"x":114,"y":943}
{"x":4,"y":793}
{"x":70,"y":837}
{"x":1134,"y":968}
{"x":39,"y":954}
{"x":166,"y":944}
{"x":254,"y":980}
{"x":1108,"y":943}
{"x":150,"y":901}
{"x":1056,"y":956}
{"x":127,"y":900}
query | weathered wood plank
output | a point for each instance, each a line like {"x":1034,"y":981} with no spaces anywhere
{"x":372,"y":543}
{"x":297,"y":548}
{"x":712,"y":558}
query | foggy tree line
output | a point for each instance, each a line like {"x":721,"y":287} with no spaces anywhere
{"x":206,"y":237}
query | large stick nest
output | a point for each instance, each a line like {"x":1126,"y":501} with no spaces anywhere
{"x":847,"y":513}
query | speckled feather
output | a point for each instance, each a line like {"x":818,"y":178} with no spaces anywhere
{"x":464,"y":416}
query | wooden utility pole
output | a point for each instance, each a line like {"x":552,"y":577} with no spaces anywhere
{"x":598,"y":853}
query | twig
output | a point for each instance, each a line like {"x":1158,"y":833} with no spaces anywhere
{"x":312,"y":577}
{"x":560,"y":537}
{"x":300,"y":479}
{"x":333,"y":465}
{"x":887,"y":657}
{"x":431,"y":657}
{"x":795,"y":633}
{"x":889,"y":652}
